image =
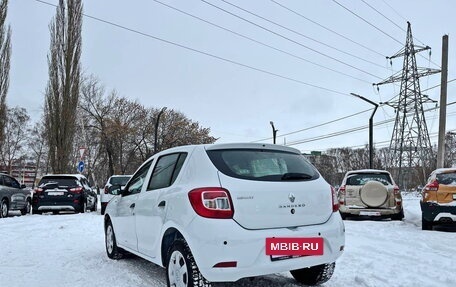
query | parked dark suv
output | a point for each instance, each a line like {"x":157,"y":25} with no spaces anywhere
{"x":63,"y":192}
{"x":13,"y":196}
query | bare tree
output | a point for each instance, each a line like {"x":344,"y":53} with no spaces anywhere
{"x":5,"y":55}
{"x":176,"y":129}
{"x":16,"y":132}
{"x":63,"y":88}
{"x":37,"y":145}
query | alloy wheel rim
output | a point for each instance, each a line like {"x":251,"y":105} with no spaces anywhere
{"x":109,"y":239}
{"x":4,"y":209}
{"x":177,"y":270}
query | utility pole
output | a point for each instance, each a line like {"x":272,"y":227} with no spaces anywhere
{"x":371,"y":129}
{"x":274,"y":132}
{"x":156,"y":128}
{"x":410,"y":145}
{"x":443,"y":104}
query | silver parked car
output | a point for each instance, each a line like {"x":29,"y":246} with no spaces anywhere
{"x":372,"y":193}
{"x":13,"y":196}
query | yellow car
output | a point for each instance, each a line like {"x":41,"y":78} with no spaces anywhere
{"x":438,"y":202}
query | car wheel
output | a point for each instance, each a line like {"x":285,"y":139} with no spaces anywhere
{"x":4,"y":209}
{"x":314,"y":275}
{"x":111,"y":244}
{"x":398,"y":216}
{"x":84,"y":206}
{"x":425,"y":224}
{"x":36,"y":211}
{"x":181,"y":268}
{"x":27,"y":208}
{"x":95,"y":207}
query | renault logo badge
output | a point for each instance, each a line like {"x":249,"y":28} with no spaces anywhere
{"x":291,"y":197}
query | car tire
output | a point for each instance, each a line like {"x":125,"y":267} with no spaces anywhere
{"x":95,"y":207}
{"x":425,"y":224}
{"x":4,"y":208}
{"x":179,"y":256}
{"x":27,"y":208}
{"x":398,"y":216}
{"x":314,"y":275}
{"x":36,"y":211}
{"x":112,"y":250}
{"x":84,"y":206}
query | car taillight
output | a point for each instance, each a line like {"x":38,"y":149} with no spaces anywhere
{"x":212,"y":202}
{"x":433,"y":186}
{"x":37,"y":190}
{"x":342,"y":189}
{"x":106,"y":191}
{"x":335,"y":203}
{"x":396,"y":190}
{"x":76,"y":189}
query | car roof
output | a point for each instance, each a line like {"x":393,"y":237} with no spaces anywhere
{"x":78,"y":176}
{"x":444,"y":170}
{"x":120,"y":175}
{"x":367,"y":171}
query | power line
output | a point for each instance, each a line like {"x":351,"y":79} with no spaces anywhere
{"x":301,"y":34}
{"x":334,"y":134}
{"x":372,"y":25}
{"x":394,"y":10}
{"x":203,"y":53}
{"x":328,"y":29}
{"x":391,"y":21}
{"x":384,"y":16}
{"x":317,"y":126}
{"x":280,"y":35}
{"x":258,"y":42}
{"x":369,"y":23}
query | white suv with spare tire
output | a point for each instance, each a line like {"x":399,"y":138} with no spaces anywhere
{"x":371,"y":193}
{"x":213,"y":213}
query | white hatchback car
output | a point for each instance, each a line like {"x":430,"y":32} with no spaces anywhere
{"x":214,"y":213}
{"x":105,"y":196}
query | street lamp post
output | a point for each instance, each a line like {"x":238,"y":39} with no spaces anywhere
{"x":156,"y":128}
{"x":274,"y":132}
{"x":371,"y":129}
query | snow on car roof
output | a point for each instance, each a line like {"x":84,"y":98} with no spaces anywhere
{"x":445,"y":170}
{"x":77,"y":175}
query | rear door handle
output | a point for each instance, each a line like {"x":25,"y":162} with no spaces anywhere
{"x":162,"y":204}
{"x":132,"y":205}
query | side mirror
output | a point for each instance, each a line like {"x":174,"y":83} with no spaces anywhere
{"x":23,"y":186}
{"x":115,"y":190}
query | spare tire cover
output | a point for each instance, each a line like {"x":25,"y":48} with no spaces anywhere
{"x":374,"y":194}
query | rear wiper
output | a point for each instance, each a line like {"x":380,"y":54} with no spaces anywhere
{"x":294,"y":175}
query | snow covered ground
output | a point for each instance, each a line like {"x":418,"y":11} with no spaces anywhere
{"x":68,"y":250}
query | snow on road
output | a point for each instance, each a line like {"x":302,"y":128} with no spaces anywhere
{"x":68,"y":250}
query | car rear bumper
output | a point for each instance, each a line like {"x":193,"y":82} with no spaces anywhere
{"x":438,"y":213}
{"x":218,"y":241}
{"x":56,"y":208}
{"x":359,"y":211}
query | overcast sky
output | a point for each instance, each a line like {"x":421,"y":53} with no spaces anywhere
{"x":298,"y":75}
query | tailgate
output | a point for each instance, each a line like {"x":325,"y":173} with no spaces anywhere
{"x":266,"y":204}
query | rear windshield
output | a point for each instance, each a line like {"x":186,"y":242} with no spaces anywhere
{"x":119,"y":180}
{"x":61,"y":181}
{"x":265,"y":165}
{"x":363,"y":178}
{"x":447,"y":178}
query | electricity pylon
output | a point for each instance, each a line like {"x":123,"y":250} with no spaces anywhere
{"x":410,"y":146}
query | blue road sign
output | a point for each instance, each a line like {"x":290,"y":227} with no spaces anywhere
{"x":80,"y":166}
